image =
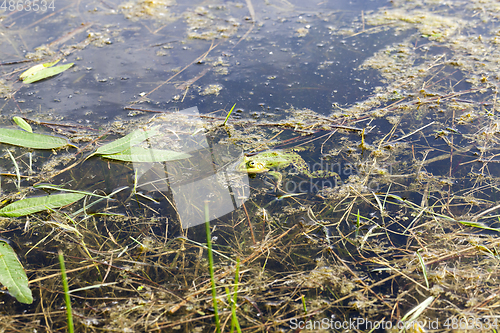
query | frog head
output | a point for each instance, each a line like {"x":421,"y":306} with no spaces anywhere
{"x":251,"y":165}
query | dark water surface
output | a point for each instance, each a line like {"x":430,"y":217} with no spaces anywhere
{"x":274,"y":67}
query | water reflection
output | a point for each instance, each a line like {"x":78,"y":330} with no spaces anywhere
{"x":208,"y":176}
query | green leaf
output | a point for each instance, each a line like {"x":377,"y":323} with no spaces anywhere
{"x":127,"y":141}
{"x":477,"y":225}
{"x":50,"y":64}
{"x":33,"y":70}
{"x":139,"y":154}
{"x":37,"y":204}
{"x":12,"y":274}
{"x":46,"y":72}
{"x":30,"y":140}
{"x":23,"y":124}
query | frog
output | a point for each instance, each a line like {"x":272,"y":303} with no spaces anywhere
{"x":272,"y":161}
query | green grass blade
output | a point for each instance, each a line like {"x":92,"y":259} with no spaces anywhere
{"x":205,"y":247}
{"x":55,"y":187}
{"x":23,"y":124}
{"x":109,"y":196}
{"x":139,"y":154}
{"x":37,"y":204}
{"x":236,"y":279}
{"x":30,"y":140}
{"x":47,"y":72}
{"x":227,"y":117}
{"x":234,"y":319}
{"x":69,"y":312}
{"x":357,"y":224}
{"x":127,"y":141}
{"x":414,"y":313}
{"x":477,"y":225}
{"x":12,"y":274}
{"x":409,"y":320}
{"x":424,"y":270}
{"x":95,"y":286}
{"x":18,"y":174}
{"x":211,"y":267}
{"x":50,"y":64}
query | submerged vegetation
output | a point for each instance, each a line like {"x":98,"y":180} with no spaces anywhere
{"x":400,"y":231}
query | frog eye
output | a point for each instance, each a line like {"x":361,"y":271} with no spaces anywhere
{"x":251,"y":164}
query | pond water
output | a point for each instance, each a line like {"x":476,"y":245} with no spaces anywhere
{"x":355,"y":180}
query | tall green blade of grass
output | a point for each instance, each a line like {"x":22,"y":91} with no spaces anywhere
{"x":424,"y":270}
{"x":18,"y":174}
{"x":69,"y":312}
{"x":233,"y":301}
{"x":412,"y":315}
{"x":234,"y":318}
{"x":357,"y":224}
{"x":229,"y":114}
{"x":211,"y":266}
{"x":58,"y":188}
